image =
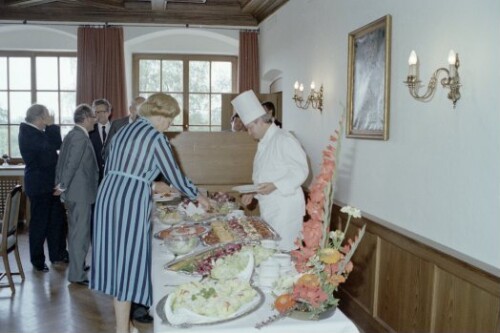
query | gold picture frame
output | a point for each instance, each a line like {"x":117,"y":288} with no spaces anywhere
{"x":369,"y":81}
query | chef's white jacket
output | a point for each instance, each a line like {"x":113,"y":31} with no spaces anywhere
{"x":281,"y":160}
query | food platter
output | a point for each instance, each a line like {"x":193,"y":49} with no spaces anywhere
{"x":251,"y":188}
{"x":165,"y":197}
{"x":164,"y":306}
{"x":169,"y":214}
{"x":238,"y":229}
{"x":182,"y":230}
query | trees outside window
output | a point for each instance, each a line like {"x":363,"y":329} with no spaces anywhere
{"x":195,"y":81}
{"x":34,"y":77}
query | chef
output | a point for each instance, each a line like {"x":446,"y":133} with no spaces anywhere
{"x":279,"y":169}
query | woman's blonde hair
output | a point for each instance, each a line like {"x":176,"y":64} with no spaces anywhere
{"x":160,"y":104}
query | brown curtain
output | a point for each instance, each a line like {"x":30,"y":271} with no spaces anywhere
{"x":249,"y":61}
{"x":101,"y":68}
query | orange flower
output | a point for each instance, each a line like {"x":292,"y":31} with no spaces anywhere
{"x":335,"y":280}
{"x":308,"y":280}
{"x":314,"y":296}
{"x":329,"y":255}
{"x":284,"y":303}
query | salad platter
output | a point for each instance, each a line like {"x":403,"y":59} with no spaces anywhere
{"x":200,"y":303}
{"x":215,"y":262}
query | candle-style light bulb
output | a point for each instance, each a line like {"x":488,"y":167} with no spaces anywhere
{"x":412,"y":61}
{"x":301,"y":87}
{"x":296,"y":85}
{"x":313,"y":85}
{"x":452,"y":59}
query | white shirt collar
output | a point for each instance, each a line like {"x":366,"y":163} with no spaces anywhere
{"x":33,"y":125}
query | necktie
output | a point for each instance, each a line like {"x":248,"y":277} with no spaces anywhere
{"x":103,"y":134}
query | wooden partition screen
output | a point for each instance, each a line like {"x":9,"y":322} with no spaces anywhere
{"x":216,"y":161}
{"x":402,"y":284}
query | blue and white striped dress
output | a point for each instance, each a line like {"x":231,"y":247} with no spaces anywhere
{"x":121,"y":246}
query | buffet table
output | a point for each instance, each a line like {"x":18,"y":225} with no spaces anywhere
{"x":165,"y":281}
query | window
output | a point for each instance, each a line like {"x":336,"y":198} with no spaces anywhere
{"x":195,"y":81}
{"x":34,"y":77}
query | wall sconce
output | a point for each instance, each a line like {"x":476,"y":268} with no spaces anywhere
{"x":451,"y":81}
{"x":315,"y":98}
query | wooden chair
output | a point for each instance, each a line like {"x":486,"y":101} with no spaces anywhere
{"x":8,"y":236}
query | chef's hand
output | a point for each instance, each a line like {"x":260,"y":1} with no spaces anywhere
{"x":246,"y":199}
{"x":266,"y":188}
{"x":203,"y":200}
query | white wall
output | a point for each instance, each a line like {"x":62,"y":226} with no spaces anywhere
{"x":438,"y":176}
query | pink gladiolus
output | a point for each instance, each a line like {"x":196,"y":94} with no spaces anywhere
{"x":349,"y":267}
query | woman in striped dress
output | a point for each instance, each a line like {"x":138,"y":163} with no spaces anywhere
{"x":121,"y":254}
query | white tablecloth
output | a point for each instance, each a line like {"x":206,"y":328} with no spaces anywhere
{"x":165,"y":281}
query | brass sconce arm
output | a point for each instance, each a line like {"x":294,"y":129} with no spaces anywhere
{"x":451,"y":80}
{"x":315,"y":98}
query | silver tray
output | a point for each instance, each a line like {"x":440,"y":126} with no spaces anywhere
{"x":274,"y":234}
{"x":200,"y":252}
{"x":160,"y":310}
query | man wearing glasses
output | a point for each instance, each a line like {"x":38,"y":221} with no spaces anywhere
{"x":98,"y":136}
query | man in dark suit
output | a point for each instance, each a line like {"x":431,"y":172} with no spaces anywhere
{"x":39,"y":140}
{"x":99,"y":134}
{"x":77,"y":176}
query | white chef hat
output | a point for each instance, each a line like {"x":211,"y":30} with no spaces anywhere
{"x":248,"y":106}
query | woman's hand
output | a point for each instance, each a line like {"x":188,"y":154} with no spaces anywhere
{"x":246,"y":199}
{"x":266,"y":188}
{"x":204,"y":202}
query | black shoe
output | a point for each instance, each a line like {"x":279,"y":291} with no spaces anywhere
{"x":144,"y":319}
{"x":43,"y":268}
{"x":65,"y":258}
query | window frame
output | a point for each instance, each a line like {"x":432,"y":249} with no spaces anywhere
{"x":33,"y":88}
{"x":185,"y":58}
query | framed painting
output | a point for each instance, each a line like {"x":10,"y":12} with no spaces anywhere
{"x":368,"y":88}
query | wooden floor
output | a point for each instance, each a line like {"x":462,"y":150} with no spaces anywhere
{"x":47,"y":302}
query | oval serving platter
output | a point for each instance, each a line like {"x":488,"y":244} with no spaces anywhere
{"x":160,"y":310}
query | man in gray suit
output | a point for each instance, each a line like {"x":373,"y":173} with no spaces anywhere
{"x":77,"y":175}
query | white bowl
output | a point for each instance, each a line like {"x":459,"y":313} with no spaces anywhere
{"x":181,"y":244}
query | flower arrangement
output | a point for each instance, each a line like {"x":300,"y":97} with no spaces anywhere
{"x":322,"y":259}
{"x":320,"y":275}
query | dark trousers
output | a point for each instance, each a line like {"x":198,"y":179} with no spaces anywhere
{"x":47,"y":223}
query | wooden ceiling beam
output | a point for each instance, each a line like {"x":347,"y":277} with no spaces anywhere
{"x":171,"y":16}
{"x":244,"y":13}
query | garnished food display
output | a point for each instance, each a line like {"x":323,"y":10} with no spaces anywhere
{"x":201,"y":263}
{"x":222,"y":202}
{"x":210,"y":301}
{"x":169,"y":214}
{"x":166,"y":196}
{"x":182,"y":230}
{"x":238,"y":229}
{"x":205,"y":261}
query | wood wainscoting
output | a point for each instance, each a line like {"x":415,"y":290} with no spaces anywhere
{"x":402,"y":284}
